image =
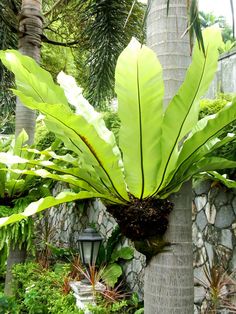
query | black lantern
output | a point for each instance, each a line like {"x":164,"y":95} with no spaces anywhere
{"x":89,"y":243}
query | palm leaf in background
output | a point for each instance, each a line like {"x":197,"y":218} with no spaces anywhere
{"x":8,"y":39}
{"x":108,"y":33}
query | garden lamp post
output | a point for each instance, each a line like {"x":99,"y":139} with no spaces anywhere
{"x":89,"y":244}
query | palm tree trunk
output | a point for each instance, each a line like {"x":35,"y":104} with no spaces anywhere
{"x":164,"y":36}
{"x":168,"y":286}
{"x":232,"y":12}
{"x":30,"y":32}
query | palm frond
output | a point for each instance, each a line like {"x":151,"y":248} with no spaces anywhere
{"x":106,"y":38}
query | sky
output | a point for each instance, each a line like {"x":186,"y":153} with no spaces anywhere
{"x":217,"y":7}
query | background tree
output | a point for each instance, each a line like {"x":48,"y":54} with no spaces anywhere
{"x":29,"y":43}
{"x":209,"y":19}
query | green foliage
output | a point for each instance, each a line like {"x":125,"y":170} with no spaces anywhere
{"x":228,"y":46}
{"x":8,"y":39}
{"x":113,"y":257}
{"x":117,"y":307}
{"x":43,"y":138}
{"x":112,"y":122}
{"x":8,"y":305}
{"x":41,"y":291}
{"x":208,"y":19}
{"x":16,"y":193}
{"x":154,"y":158}
{"x":210,"y":107}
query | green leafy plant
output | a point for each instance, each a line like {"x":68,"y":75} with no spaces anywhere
{"x":39,"y":290}
{"x":16,"y":192}
{"x":112,"y":257}
{"x":228,"y":150}
{"x":228,"y":46}
{"x":160,"y":149}
{"x":8,"y":305}
{"x":212,"y":106}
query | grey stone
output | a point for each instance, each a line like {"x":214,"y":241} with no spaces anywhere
{"x":202,"y":187}
{"x":209,"y":250}
{"x":221,"y":199}
{"x":137,"y":266}
{"x":199,"y":295}
{"x":198,"y":240}
{"x":201,"y":220}
{"x":234,"y":204}
{"x":224,"y":217}
{"x":199,"y":274}
{"x":199,"y":257}
{"x":194,"y":233}
{"x":210,"y":213}
{"x":200,"y":202}
{"x":196,"y":311}
{"x":226,"y":238}
{"x":100,"y":217}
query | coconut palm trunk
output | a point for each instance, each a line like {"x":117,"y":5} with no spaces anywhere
{"x":30,"y":31}
{"x":168,"y":284}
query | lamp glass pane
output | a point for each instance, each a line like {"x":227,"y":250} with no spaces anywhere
{"x":96,"y":246}
{"x":87,"y":246}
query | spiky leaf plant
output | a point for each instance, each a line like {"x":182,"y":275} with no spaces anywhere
{"x":158,"y":150}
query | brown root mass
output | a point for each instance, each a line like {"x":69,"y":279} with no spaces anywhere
{"x":142,"y":219}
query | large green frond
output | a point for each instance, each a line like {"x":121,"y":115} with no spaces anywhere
{"x":83,"y":133}
{"x":140,"y":89}
{"x":49,"y":201}
{"x":182,"y":112}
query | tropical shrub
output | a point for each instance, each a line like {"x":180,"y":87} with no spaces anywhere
{"x":228,"y":151}
{"x":158,"y":150}
{"x":212,"y":106}
{"x":39,"y":290}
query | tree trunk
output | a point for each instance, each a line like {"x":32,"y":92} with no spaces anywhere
{"x":16,"y":256}
{"x":168,"y":286}
{"x":30,"y":32}
{"x":164,"y":36}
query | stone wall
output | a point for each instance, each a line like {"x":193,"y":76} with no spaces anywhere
{"x":225,"y":78}
{"x":214,"y":230}
{"x":63,"y":223}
